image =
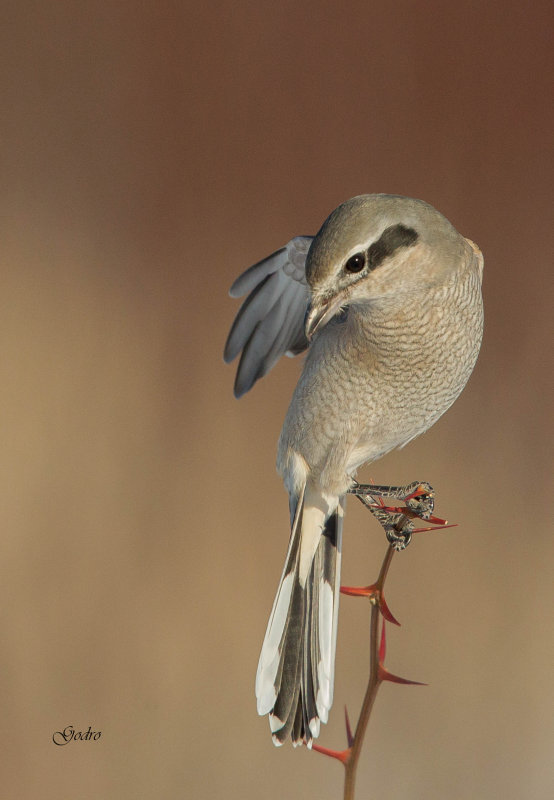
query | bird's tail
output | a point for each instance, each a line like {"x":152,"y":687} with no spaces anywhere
{"x":294,"y":682}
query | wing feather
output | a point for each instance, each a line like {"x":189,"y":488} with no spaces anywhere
{"x":270,"y":321}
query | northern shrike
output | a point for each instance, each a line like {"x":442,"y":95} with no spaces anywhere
{"x":386,"y":298}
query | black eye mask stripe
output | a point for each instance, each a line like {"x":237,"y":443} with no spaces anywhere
{"x":390,"y":240}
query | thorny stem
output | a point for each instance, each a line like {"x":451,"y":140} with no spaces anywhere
{"x":375,"y":680}
{"x":395,"y":521}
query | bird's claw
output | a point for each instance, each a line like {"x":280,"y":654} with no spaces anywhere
{"x":399,"y":539}
{"x":419,"y":501}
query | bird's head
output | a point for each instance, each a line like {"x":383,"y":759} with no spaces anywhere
{"x":379,"y":248}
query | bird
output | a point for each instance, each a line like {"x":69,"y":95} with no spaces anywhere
{"x":386,"y":300}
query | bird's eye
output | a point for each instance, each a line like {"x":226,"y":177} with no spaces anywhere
{"x":355,"y":263}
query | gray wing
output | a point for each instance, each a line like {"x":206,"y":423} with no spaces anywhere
{"x":270,"y":321}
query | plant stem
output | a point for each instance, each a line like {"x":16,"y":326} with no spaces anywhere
{"x":374,"y":681}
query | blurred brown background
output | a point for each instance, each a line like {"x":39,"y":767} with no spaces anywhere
{"x":148,"y":153}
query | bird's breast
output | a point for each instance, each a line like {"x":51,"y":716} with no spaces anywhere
{"x":378,"y":380}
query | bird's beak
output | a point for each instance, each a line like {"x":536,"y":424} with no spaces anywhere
{"x":320,"y":312}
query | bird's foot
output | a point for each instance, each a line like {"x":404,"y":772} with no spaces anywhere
{"x":398,"y":527}
{"x":418,"y":499}
{"x":418,"y":496}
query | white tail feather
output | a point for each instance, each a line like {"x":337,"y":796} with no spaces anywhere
{"x":294,"y":681}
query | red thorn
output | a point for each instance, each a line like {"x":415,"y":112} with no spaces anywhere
{"x":341,"y":755}
{"x":360,"y":591}
{"x":437,"y":520}
{"x":397,"y":510}
{"x":382,"y":673}
{"x":385,"y":610}
{"x":349,"y":737}
{"x":385,"y":675}
{"x":373,"y":592}
{"x":436,"y":528}
{"x":416,"y":493}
